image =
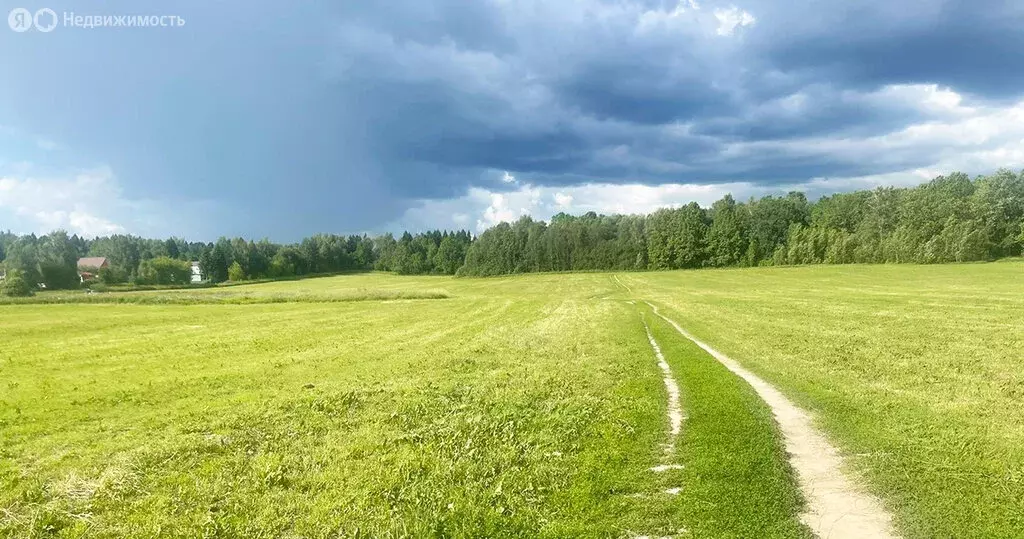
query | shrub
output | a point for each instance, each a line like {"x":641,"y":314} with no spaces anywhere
{"x":164,"y":270}
{"x":111,"y":276}
{"x":97,"y":286}
{"x":59,"y":276}
{"x":16,"y":286}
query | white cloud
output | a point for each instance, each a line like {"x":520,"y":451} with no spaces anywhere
{"x":489,"y":208}
{"x":655,"y":17}
{"x":972,"y":139}
{"x":47,"y":144}
{"x":42,"y":205}
{"x":508,"y":178}
{"x":497,"y":212}
{"x":731,"y":18}
{"x":926,"y":98}
{"x":89,"y":203}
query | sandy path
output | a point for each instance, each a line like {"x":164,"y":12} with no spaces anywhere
{"x":836,"y":508}
{"x":675,"y":409}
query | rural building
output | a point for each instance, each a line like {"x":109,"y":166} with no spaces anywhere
{"x":89,"y":266}
{"x":197,"y":273}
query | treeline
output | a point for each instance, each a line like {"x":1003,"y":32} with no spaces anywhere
{"x":52,"y":259}
{"x":236,"y":259}
{"x":950,"y":219}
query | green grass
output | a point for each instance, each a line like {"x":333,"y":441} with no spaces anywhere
{"x":917,"y":372}
{"x":510,"y":407}
{"x":518,"y":407}
{"x":736,"y":481}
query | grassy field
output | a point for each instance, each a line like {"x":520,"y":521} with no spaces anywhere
{"x":917,"y":372}
{"x":382,"y":406}
{"x":515,"y":407}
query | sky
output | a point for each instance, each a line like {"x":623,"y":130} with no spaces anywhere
{"x":285,"y":119}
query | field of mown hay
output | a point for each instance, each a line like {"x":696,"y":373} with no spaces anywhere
{"x":384,"y":406}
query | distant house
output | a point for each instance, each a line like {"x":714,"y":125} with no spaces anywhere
{"x":197,"y":273}
{"x":88,"y":267}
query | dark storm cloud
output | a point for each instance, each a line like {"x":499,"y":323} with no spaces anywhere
{"x":811,"y":112}
{"x":320,"y":116}
{"x":975,"y":47}
{"x":638,"y":93}
{"x":549,"y":90}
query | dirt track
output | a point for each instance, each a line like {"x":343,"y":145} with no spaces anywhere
{"x":836,"y":507}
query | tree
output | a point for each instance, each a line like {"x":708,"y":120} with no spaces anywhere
{"x":490,"y":253}
{"x":770,"y":220}
{"x":361,"y":248}
{"x":631,"y":243}
{"x":727,"y":242}
{"x":660,"y":241}
{"x":171,"y":248}
{"x":235,"y":272}
{"x":122,"y":252}
{"x":410,"y":257}
{"x":841,"y":211}
{"x":998,"y":204}
{"x":1020,"y":237}
{"x":281,"y":266}
{"x":15,"y":285}
{"x":23,"y":257}
{"x":677,"y":238}
{"x":57,"y":259}
{"x":450,"y":255}
{"x":295,"y":260}
{"x":384,"y":250}
{"x":215,"y":261}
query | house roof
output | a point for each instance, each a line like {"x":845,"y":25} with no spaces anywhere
{"x":92,"y":262}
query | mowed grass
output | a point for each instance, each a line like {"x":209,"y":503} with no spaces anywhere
{"x":736,"y":480}
{"x":518,"y":407}
{"x":510,"y":407}
{"x":917,"y":372}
